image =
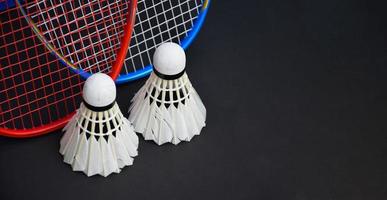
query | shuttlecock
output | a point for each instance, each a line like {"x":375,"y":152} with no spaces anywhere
{"x":99,"y":139}
{"x":167,"y":108}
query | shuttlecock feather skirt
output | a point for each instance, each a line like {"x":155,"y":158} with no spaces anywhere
{"x":167,"y":110}
{"x":99,"y":142}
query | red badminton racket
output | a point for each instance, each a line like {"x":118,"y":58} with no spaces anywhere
{"x":44,"y":46}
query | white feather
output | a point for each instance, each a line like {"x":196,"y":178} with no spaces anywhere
{"x":90,"y":145}
{"x":167,"y":110}
{"x":94,"y":161}
{"x":81,"y":158}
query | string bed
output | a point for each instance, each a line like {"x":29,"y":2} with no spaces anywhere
{"x":35,"y":88}
{"x":40,"y":42}
{"x":158,"y":22}
{"x":86,"y":33}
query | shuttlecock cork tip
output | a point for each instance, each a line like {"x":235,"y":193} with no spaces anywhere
{"x":99,"y":90}
{"x":169,"y":59}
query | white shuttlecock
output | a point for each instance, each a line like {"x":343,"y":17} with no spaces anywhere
{"x":99,"y":139}
{"x":167,"y":108}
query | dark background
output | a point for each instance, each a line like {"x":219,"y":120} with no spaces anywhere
{"x":296,"y":95}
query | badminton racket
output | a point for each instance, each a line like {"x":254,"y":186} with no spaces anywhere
{"x":159,"y":21}
{"x":44,"y":46}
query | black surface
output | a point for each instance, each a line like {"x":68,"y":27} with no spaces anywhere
{"x":297,"y":109}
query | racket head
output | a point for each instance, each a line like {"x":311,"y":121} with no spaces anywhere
{"x":39,"y":91}
{"x":180,"y":22}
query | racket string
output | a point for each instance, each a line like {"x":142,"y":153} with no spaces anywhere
{"x":87,"y":33}
{"x":158,"y":22}
{"x":9,"y":91}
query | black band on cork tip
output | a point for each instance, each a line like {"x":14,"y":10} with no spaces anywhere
{"x":99,"y":109}
{"x":168,"y":77}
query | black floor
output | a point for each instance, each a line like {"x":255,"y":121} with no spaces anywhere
{"x":296,"y":95}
